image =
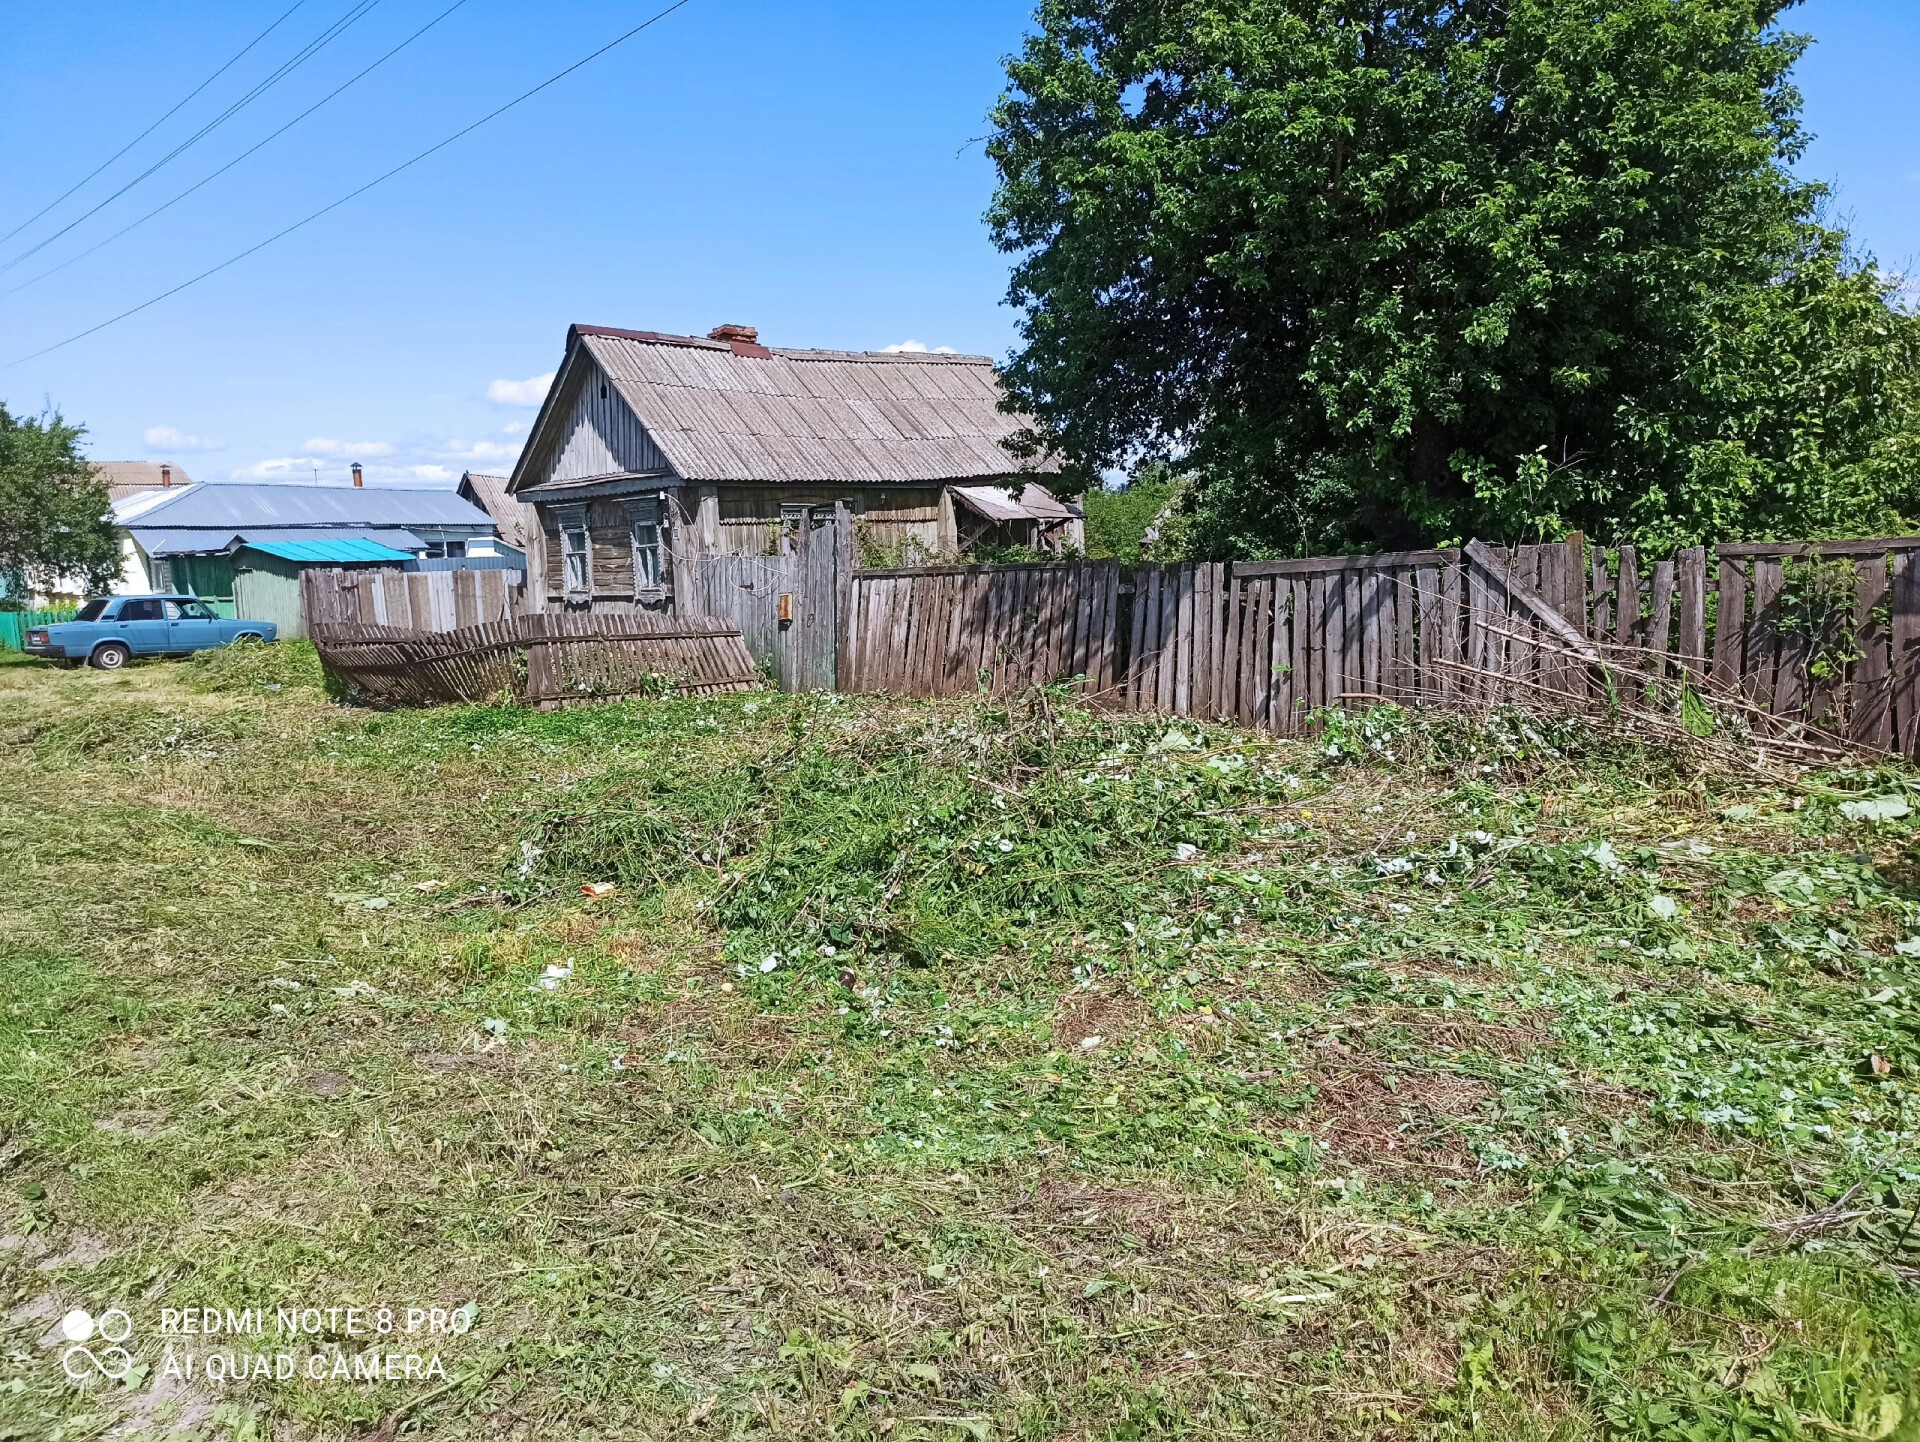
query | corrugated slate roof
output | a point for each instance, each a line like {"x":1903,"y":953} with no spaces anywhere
{"x":721,"y":412}
{"x":131,"y":478}
{"x":335,"y":548}
{"x":516,"y":519}
{"x":276,"y":504}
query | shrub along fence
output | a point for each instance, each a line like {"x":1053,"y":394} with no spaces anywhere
{"x":1823,"y":635}
{"x":541,"y":659}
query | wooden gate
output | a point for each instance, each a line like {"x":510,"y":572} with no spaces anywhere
{"x":787,"y":606}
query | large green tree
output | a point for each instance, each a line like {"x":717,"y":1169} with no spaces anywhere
{"x":1386,"y":273}
{"x":54,"y":530}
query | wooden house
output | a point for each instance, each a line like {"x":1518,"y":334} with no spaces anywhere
{"x":652,"y":451}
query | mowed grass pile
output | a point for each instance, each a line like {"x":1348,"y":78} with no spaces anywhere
{"x":975,"y":1070}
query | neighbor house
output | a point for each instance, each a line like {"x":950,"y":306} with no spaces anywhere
{"x":188,"y":538}
{"x":514,"y":520}
{"x":127,"y":481}
{"x":652,"y":450}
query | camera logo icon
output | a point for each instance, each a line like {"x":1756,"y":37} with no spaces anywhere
{"x":111,"y":1327}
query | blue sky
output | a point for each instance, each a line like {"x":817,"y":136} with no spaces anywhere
{"x":813,"y":170}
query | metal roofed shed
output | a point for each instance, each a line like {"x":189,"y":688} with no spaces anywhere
{"x":167,"y":543}
{"x":337,"y":550}
{"x":266,"y":575}
{"x":998,"y":516}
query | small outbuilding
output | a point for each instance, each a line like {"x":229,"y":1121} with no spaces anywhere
{"x":267,"y":575}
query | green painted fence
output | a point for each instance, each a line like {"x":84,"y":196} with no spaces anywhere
{"x":14,"y":625}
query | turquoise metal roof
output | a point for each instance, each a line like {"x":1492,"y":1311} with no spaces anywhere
{"x":338,"y":548}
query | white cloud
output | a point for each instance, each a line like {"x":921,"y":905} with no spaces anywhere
{"x":529,"y":392}
{"x":279,"y":469}
{"x":914,"y":347}
{"x":358,"y":450}
{"x":481,"y":451}
{"x":431,"y":473}
{"x":168,"y":438}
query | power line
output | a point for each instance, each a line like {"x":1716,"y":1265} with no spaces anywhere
{"x":312,"y":48}
{"x":151,"y":128}
{"x":491,"y":115}
{"x":208,"y":179}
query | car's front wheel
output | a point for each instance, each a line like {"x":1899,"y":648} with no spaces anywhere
{"x":110,"y":657}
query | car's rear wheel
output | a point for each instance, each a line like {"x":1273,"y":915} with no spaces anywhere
{"x":110,"y":657}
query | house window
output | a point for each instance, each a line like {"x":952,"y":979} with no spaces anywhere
{"x":442,"y":550}
{"x":576,"y":556}
{"x":644,"y":519}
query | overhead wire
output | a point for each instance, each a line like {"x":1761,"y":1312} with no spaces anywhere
{"x":208,"y":179}
{"x":354,"y":194}
{"x":306,"y":53}
{"x":156,"y":124}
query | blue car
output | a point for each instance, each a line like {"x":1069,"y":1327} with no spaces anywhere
{"x":111,"y":630}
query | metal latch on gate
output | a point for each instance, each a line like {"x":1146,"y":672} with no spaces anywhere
{"x":786,"y":605}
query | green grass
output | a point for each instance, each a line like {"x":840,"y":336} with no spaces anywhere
{"x":952,"y":1070}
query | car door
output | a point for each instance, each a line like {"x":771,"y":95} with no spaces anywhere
{"x":192,"y":626}
{"x":142,"y":624}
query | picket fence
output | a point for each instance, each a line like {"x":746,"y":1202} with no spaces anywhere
{"x":540,"y":659}
{"x":14,"y":625}
{"x":1267,"y":643}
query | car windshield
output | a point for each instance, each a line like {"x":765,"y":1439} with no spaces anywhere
{"x":91,"y":611}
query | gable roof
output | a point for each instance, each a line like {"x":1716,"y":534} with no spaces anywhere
{"x":515,"y":519}
{"x":741,"y":412}
{"x":130,"y":478}
{"x":238,"y":506}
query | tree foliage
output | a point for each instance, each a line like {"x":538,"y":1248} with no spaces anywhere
{"x":54,"y":530}
{"x":1386,"y":273}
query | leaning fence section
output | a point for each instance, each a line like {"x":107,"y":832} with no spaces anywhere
{"x":543,"y":659}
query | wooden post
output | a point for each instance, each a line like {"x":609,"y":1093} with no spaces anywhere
{"x":542,"y":686}
{"x":1660,"y":623}
{"x":1906,"y":649}
{"x":1693,"y":610}
{"x":1730,"y":624}
{"x":842,"y":631}
{"x":1871,"y":710}
{"x":1626,"y":596}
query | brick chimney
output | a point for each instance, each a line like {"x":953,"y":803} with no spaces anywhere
{"x":356,"y":473}
{"x":741,"y":339}
{"x":166,"y":475}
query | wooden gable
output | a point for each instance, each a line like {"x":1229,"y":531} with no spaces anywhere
{"x":593,"y":434}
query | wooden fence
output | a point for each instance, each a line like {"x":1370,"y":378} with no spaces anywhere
{"x":1826,"y":634}
{"x":407,"y":600}
{"x":543,"y":659}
